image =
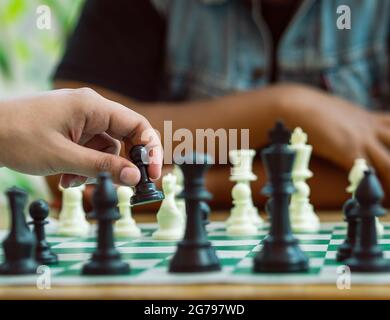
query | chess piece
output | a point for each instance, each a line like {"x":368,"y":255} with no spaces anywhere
{"x":39,"y":211}
{"x":367,"y":255}
{"x":106,"y":260}
{"x":350,"y":213}
{"x":195,"y":253}
{"x":302,"y":215}
{"x":241,"y":172}
{"x":19,"y":245}
{"x":280,"y":252}
{"x":180,"y":203}
{"x":240,"y":222}
{"x":355,"y":176}
{"x":125,"y":226}
{"x":145,"y":190}
{"x":72,"y":218}
{"x":169,"y":217}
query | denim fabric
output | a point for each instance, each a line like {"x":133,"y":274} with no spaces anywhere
{"x":215,"y":47}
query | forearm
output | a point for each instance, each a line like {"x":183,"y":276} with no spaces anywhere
{"x":253,"y":110}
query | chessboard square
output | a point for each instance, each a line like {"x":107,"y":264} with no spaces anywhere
{"x":164,"y":249}
{"x":235,"y":243}
{"x":330,"y":255}
{"x":73,"y":250}
{"x":58,"y":239}
{"x":338,"y":236}
{"x":225,"y":254}
{"x":75,"y":245}
{"x":150,"y":243}
{"x":70,"y":258}
{"x":304,"y":247}
{"x":142,"y":263}
{"x":336,"y":242}
{"x":224,"y":236}
{"x":140,"y":256}
{"x":235,"y":248}
{"x":333,"y":247}
{"x":322,"y":238}
{"x":313,"y":242}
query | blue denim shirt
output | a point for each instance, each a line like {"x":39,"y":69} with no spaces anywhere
{"x":213,"y":47}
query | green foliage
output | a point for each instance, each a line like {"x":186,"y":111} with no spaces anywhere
{"x":24,"y":48}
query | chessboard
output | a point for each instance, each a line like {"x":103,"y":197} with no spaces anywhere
{"x":149,"y":260}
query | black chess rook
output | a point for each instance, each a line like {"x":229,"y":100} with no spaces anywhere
{"x":195,"y":253}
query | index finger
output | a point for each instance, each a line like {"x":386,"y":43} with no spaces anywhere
{"x":132,"y":128}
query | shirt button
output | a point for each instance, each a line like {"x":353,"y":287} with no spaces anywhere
{"x":257,"y":74}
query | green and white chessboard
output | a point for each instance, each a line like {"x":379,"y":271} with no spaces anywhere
{"x":149,"y":260}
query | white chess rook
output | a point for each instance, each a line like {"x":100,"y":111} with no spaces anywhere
{"x":240,"y":221}
{"x":355,"y":176}
{"x":169,"y":217}
{"x":302,"y":215}
{"x":242,"y":161}
{"x":72,"y":221}
{"x":125,"y":226}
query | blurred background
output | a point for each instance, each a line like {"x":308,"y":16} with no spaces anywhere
{"x":27,"y":58}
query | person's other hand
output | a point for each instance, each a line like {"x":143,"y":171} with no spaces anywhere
{"x":76,"y":132}
{"x":339,"y":130}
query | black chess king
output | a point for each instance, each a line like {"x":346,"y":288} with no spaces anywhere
{"x":280,"y":252}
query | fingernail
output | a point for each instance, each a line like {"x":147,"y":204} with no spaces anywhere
{"x":129,"y":175}
{"x":76,"y":182}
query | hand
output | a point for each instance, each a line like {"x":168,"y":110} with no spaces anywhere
{"x":339,"y":130}
{"x":76,"y":132}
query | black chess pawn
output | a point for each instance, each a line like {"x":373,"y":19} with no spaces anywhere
{"x":195,"y":253}
{"x":280,"y":252}
{"x":145,"y":190}
{"x":367,"y":256}
{"x":350,"y":213}
{"x":19,"y":246}
{"x":39,"y":211}
{"x":106,"y":260}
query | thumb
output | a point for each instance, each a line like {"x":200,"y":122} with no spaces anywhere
{"x":83,"y":161}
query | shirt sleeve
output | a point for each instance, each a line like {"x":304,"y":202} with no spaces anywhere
{"x":118,"y":45}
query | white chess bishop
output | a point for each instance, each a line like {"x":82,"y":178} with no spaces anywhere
{"x":125,"y":226}
{"x":72,"y":220}
{"x":242,"y":161}
{"x":169,"y":217}
{"x":302,"y":215}
{"x":180,"y":203}
{"x":355,"y":176}
{"x":240,"y":220}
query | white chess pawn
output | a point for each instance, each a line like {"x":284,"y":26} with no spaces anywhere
{"x":355,"y":176}
{"x":125,"y":226}
{"x":242,"y":161}
{"x":180,"y":203}
{"x":240,"y":222}
{"x":169,"y":217}
{"x":72,"y":221}
{"x":302,"y":215}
